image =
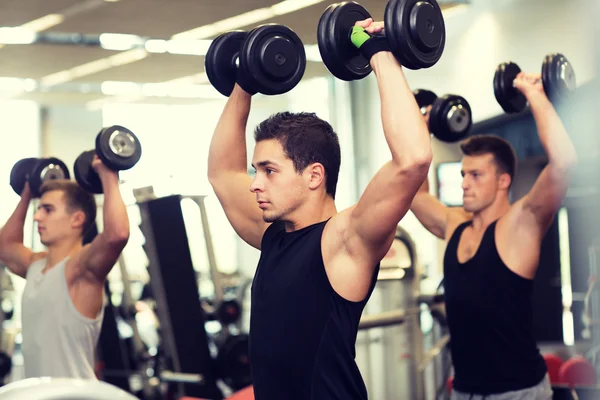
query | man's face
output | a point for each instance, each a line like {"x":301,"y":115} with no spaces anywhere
{"x":279,"y":189}
{"x":481,"y":182}
{"x":55,"y":221}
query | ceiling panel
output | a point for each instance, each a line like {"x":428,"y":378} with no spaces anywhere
{"x":18,"y":12}
{"x":158,"y":18}
{"x":150,"y":18}
{"x":154,"y":68}
{"x":37,"y":60}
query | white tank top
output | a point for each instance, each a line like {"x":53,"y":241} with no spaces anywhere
{"x":58,"y":341}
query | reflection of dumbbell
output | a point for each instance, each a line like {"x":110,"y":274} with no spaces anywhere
{"x":36,"y":171}
{"x":414,"y":31}
{"x":450,"y":118}
{"x":558,"y":79}
{"x":271,"y":58}
{"x":117,"y":147}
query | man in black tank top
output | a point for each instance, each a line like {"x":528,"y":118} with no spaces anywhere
{"x":318,"y":266}
{"x":492,"y":255}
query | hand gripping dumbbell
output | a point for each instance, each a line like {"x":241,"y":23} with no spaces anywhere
{"x":558,"y":79}
{"x":450,"y":117}
{"x":414,"y":30}
{"x":117,"y":147}
{"x":36,"y":171}
{"x":270,"y":58}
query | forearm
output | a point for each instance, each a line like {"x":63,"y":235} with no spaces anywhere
{"x":227,"y":150}
{"x":12,"y":232}
{"x":114,"y":211}
{"x":425,"y":186}
{"x":552,"y":133}
{"x":404,"y":127}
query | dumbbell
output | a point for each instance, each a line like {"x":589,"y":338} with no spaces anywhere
{"x":233,"y":362}
{"x":271,"y":55}
{"x":414,"y":30}
{"x":450,"y":118}
{"x":117,"y":147}
{"x":558,"y":79}
{"x":36,"y":171}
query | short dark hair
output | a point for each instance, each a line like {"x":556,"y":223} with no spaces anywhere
{"x":76,"y":198}
{"x":501,"y":149}
{"x":305,"y":139}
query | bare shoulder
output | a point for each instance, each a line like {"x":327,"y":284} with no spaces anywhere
{"x":518,"y":241}
{"x":456,"y":216}
{"x":74,"y":267}
{"x":39,"y":256}
{"x":515,"y":219}
{"x":336,"y":229}
{"x":347,"y":259}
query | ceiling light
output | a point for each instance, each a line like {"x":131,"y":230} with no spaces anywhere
{"x":246,"y":19}
{"x":119,"y":41}
{"x":156,"y":46}
{"x":93,"y":67}
{"x":45,"y":22}
{"x":17,"y":35}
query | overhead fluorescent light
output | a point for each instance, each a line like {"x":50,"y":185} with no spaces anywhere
{"x":288,"y":6}
{"x":119,"y":41}
{"x":245,"y":19}
{"x":188,"y":47}
{"x":45,"y":22}
{"x":156,"y":46}
{"x":17,"y":35}
{"x":455,"y":10}
{"x":37,"y":25}
{"x":93,"y":67}
{"x":12,"y":85}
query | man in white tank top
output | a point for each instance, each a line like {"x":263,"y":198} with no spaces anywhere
{"x":62,"y":306}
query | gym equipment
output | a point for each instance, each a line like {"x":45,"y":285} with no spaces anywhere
{"x":558,"y":79}
{"x":117,"y":147}
{"x":63,"y":388}
{"x":233,"y":362}
{"x":174,"y":286}
{"x":36,"y":171}
{"x":222,"y":60}
{"x":271,"y":57}
{"x":577,"y":371}
{"x":424,"y":99}
{"x":553,"y":364}
{"x":450,"y":117}
{"x":414,"y":30}
{"x":229,"y":311}
{"x":5,"y":364}
{"x":20,"y":172}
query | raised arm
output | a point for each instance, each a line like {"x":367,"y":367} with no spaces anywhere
{"x":97,"y":258}
{"x":437,"y":218}
{"x":544,"y":199}
{"x":13,"y":253}
{"x":388,"y":196}
{"x":228,"y":169}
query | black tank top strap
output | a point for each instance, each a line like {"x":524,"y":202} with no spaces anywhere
{"x":454,"y":239}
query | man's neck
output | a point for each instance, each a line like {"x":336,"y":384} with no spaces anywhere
{"x":311,"y":213}
{"x":483,"y":218}
{"x":58,"y":252}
